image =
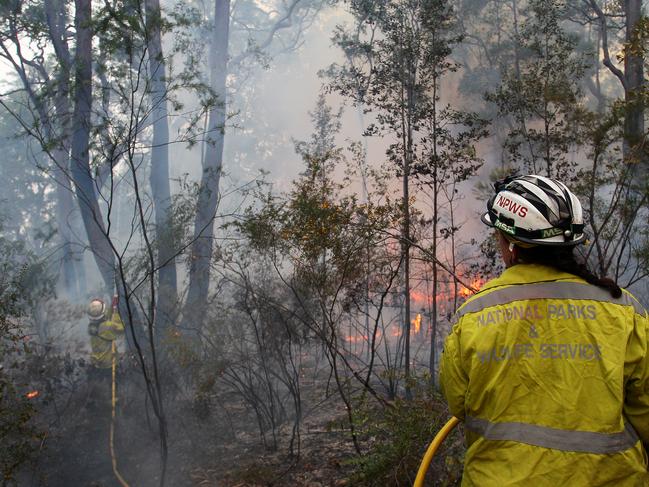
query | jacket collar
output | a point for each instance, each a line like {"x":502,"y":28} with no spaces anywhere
{"x":528,"y":273}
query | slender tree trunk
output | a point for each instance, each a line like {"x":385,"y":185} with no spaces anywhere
{"x":368,"y":253}
{"x":166,"y":305}
{"x":433,"y":324}
{"x":64,"y":213}
{"x":517,"y":58}
{"x":80,"y":157}
{"x":64,"y":194}
{"x":208,"y":193}
{"x":433,"y":318}
{"x":406,"y":273}
{"x":406,"y":229}
{"x":58,"y":133}
{"x":453,"y":252}
{"x":596,"y":85}
{"x":67,"y":218}
{"x":633,"y":72}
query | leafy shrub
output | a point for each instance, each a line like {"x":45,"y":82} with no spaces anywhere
{"x":18,"y":436}
{"x":398,"y":438}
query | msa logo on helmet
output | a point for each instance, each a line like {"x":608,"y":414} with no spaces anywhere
{"x":505,"y":228}
{"x":551,"y":232}
{"x":512,"y":206}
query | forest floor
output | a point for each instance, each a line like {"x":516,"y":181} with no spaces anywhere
{"x":326,"y":451}
{"x":324,"y":461}
{"x":219,"y":447}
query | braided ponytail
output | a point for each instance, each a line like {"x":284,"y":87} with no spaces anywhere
{"x":563,"y":259}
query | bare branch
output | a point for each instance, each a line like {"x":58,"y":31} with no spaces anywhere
{"x":604,"y":30}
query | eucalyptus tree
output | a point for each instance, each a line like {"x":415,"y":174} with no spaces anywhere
{"x":106,"y":138}
{"x":407,"y":45}
{"x":553,"y":130}
{"x":314,"y":240}
{"x":624,"y":20}
{"x":243,"y":35}
{"x":44,"y":109}
{"x":543,"y":95}
{"x":55,"y":67}
{"x":167,"y":303}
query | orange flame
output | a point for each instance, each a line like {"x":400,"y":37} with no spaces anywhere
{"x":476,"y":284}
{"x":355,"y":338}
{"x":32,"y":394}
{"x":419,"y":297}
{"x":416,"y":323}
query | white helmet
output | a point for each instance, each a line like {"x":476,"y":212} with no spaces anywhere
{"x":536,"y":210}
{"x":97,"y":309}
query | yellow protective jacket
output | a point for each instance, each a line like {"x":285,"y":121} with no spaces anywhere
{"x":102,"y":334}
{"x":551,"y":378}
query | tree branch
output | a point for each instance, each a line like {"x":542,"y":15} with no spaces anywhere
{"x":607,"y":58}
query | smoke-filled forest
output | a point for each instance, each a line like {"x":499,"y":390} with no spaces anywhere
{"x":234,"y":233}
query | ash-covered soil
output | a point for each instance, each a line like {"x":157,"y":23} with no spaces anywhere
{"x":212,"y":442}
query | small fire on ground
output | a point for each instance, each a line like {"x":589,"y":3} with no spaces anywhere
{"x":32,"y":394}
{"x":424,"y":300}
{"x":416,"y":323}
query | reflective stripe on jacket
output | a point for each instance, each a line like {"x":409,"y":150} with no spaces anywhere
{"x":551,"y":377}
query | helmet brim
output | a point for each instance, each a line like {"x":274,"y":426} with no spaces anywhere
{"x":486,"y":219}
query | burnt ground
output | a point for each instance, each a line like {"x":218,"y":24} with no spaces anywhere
{"x":217,"y":445}
{"x":214,"y":441}
{"x":324,"y":460}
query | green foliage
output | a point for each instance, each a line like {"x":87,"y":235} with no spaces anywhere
{"x":547,"y":74}
{"x":24,"y":270}
{"x":615,"y":202}
{"x":399,"y":436}
{"x":398,"y":55}
{"x":26,"y":192}
{"x":323,"y":232}
{"x":541,"y":94}
{"x":18,"y":435}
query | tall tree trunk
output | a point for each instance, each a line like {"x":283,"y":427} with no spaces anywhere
{"x":433,"y":324}
{"x":57,"y":129}
{"x":74,"y":275}
{"x":633,"y":73}
{"x":208,"y":195}
{"x":64,"y":214}
{"x":80,"y":157}
{"x":406,"y":113}
{"x":517,"y":56}
{"x":166,"y":305}
{"x":433,"y":317}
{"x":406,"y":270}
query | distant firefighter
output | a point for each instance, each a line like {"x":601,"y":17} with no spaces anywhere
{"x":103,"y":329}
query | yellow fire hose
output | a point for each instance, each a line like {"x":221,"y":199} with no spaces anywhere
{"x":432,"y":449}
{"x":112,"y":420}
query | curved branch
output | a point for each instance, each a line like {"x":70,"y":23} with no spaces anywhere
{"x":607,"y":58}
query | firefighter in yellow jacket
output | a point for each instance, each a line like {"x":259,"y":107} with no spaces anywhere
{"x":103,"y":329}
{"x":547,"y":365}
